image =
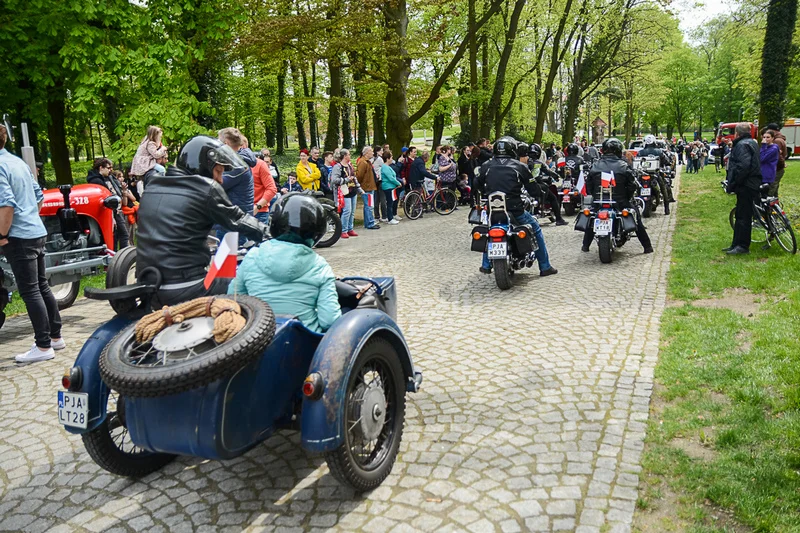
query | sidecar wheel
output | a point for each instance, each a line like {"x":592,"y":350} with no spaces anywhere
{"x":375,"y":404}
{"x":110,"y":446}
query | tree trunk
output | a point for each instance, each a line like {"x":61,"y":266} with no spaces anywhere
{"x":299,"y":120}
{"x":547,"y":94}
{"x":362,"y":121}
{"x":58,"y":135}
{"x":438,"y":128}
{"x":280,"y":119}
{"x":493,"y":113}
{"x":111,"y":114}
{"x":76,"y":152}
{"x":100,"y":137}
{"x":379,"y":125}
{"x":332,"y":131}
{"x":463,"y":104}
{"x":398,"y":123}
{"x":574,"y":99}
{"x":486,"y":130}
{"x":347,"y":130}
{"x":776,"y":58}
{"x":91,"y":138}
{"x":310,"y":105}
{"x":473,"y":70}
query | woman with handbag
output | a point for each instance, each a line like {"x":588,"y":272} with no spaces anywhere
{"x":344,"y":182}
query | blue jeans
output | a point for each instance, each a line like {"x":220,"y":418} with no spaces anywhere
{"x":369,"y":219}
{"x":391,"y":205}
{"x":541,"y":253}
{"x":348,"y":214}
{"x":263,"y":217}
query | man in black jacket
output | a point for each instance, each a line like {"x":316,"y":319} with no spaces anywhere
{"x":486,"y":151}
{"x":177,"y":214}
{"x":418,"y":172}
{"x":665,"y":161}
{"x":504,"y":173}
{"x":744,"y":179}
{"x":623,"y":190}
{"x":100,"y":174}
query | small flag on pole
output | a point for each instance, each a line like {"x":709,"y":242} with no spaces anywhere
{"x":371,"y":199}
{"x":223,"y":265}
{"x":581,"y":185}
{"x":607,"y":179}
{"x":561,"y":162}
{"x":394,"y":195}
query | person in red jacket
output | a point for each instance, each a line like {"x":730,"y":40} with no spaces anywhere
{"x":264,"y":189}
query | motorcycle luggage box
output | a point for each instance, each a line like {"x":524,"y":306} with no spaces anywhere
{"x":479,"y":244}
{"x":522,"y":245}
{"x":628,"y":223}
{"x":582,"y":222}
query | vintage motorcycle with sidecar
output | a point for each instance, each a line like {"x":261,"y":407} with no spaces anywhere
{"x":139,"y":402}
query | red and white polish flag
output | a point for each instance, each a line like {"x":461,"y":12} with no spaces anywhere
{"x":561,"y":162}
{"x":607,"y":179}
{"x":394,"y":195}
{"x":371,"y":199}
{"x":223,"y":265}
{"x":581,"y":185}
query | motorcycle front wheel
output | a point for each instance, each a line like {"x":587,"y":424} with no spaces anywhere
{"x":604,"y":245}
{"x":502,"y":273}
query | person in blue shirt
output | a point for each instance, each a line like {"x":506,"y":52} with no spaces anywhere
{"x":238,"y":183}
{"x":22,"y":238}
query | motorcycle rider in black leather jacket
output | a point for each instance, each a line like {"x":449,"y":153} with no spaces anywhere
{"x":665,"y":160}
{"x":504,"y":173}
{"x":538,"y":170}
{"x":573,"y":160}
{"x":623,"y":192}
{"x":177,"y":214}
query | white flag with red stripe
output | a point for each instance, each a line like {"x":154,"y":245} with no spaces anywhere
{"x":371,"y":199}
{"x":561,"y":162}
{"x":394,"y":195}
{"x":223,"y":265}
{"x":607,"y":179}
{"x":581,"y":185}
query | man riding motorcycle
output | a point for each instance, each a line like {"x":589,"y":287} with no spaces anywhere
{"x":623,"y":192}
{"x":503,"y":173}
{"x":177,"y":214}
{"x":532,"y":159}
{"x":665,"y":159}
{"x":573,"y":161}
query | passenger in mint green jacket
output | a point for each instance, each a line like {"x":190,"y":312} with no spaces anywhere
{"x":390,"y":186}
{"x":286,"y":272}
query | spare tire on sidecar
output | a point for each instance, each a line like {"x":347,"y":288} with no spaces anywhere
{"x":183,"y":351}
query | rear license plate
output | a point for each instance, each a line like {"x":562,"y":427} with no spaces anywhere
{"x":497,"y":250}
{"x":602,"y":227}
{"x":645,"y":192}
{"x":73,"y":409}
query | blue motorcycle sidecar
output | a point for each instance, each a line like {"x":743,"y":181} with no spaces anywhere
{"x":344,"y":390}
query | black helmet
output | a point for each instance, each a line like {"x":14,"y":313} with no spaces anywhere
{"x":300,"y":214}
{"x":505,"y":147}
{"x":535,"y":152}
{"x":573,"y":149}
{"x":523,"y":149}
{"x":201,"y":153}
{"x":612,"y":145}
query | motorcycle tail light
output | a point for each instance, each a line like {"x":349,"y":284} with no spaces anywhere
{"x":65,"y":381}
{"x":72,"y":378}
{"x":497,"y":232}
{"x":606,"y":205}
{"x":646,"y":178}
{"x":522,"y":234}
{"x":602,"y":215}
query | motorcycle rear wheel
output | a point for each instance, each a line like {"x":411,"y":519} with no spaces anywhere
{"x":604,"y":246}
{"x":648,"y":209}
{"x":502,"y":274}
{"x":334,"y":225}
{"x":569,"y":209}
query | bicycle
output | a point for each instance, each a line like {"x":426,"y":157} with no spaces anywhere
{"x":769,"y":222}
{"x":418,"y":201}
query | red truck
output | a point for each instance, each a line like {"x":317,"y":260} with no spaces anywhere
{"x":727,"y":131}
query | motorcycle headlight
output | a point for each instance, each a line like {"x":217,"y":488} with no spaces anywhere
{"x":112,"y":202}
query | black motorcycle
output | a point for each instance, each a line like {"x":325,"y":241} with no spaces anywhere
{"x":569,"y":195}
{"x":510,"y":246}
{"x":612,"y":225}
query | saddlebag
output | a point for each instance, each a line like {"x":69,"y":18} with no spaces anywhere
{"x":628,"y":222}
{"x":479,"y":244}
{"x":582,"y":222}
{"x":523,"y":245}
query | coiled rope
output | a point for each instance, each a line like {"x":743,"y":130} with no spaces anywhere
{"x":227,"y":315}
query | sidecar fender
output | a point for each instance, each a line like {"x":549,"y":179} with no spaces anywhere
{"x":322,"y":428}
{"x":89,"y":362}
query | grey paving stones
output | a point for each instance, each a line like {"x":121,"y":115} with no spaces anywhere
{"x":531,"y":416}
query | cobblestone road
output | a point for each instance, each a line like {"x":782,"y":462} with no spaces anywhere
{"x":531,"y":416}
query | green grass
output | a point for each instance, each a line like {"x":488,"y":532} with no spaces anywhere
{"x":17,"y":306}
{"x":730,"y":383}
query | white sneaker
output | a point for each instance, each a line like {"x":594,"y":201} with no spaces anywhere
{"x":397,"y":217}
{"x":35,"y":354}
{"x":384,"y":220}
{"x":60,"y":344}
{"x":393,"y":222}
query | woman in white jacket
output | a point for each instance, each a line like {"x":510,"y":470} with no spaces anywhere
{"x":148,"y":154}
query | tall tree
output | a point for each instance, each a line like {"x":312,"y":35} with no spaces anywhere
{"x":776,"y":58}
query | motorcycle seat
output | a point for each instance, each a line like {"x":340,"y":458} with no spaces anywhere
{"x":135,"y":290}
